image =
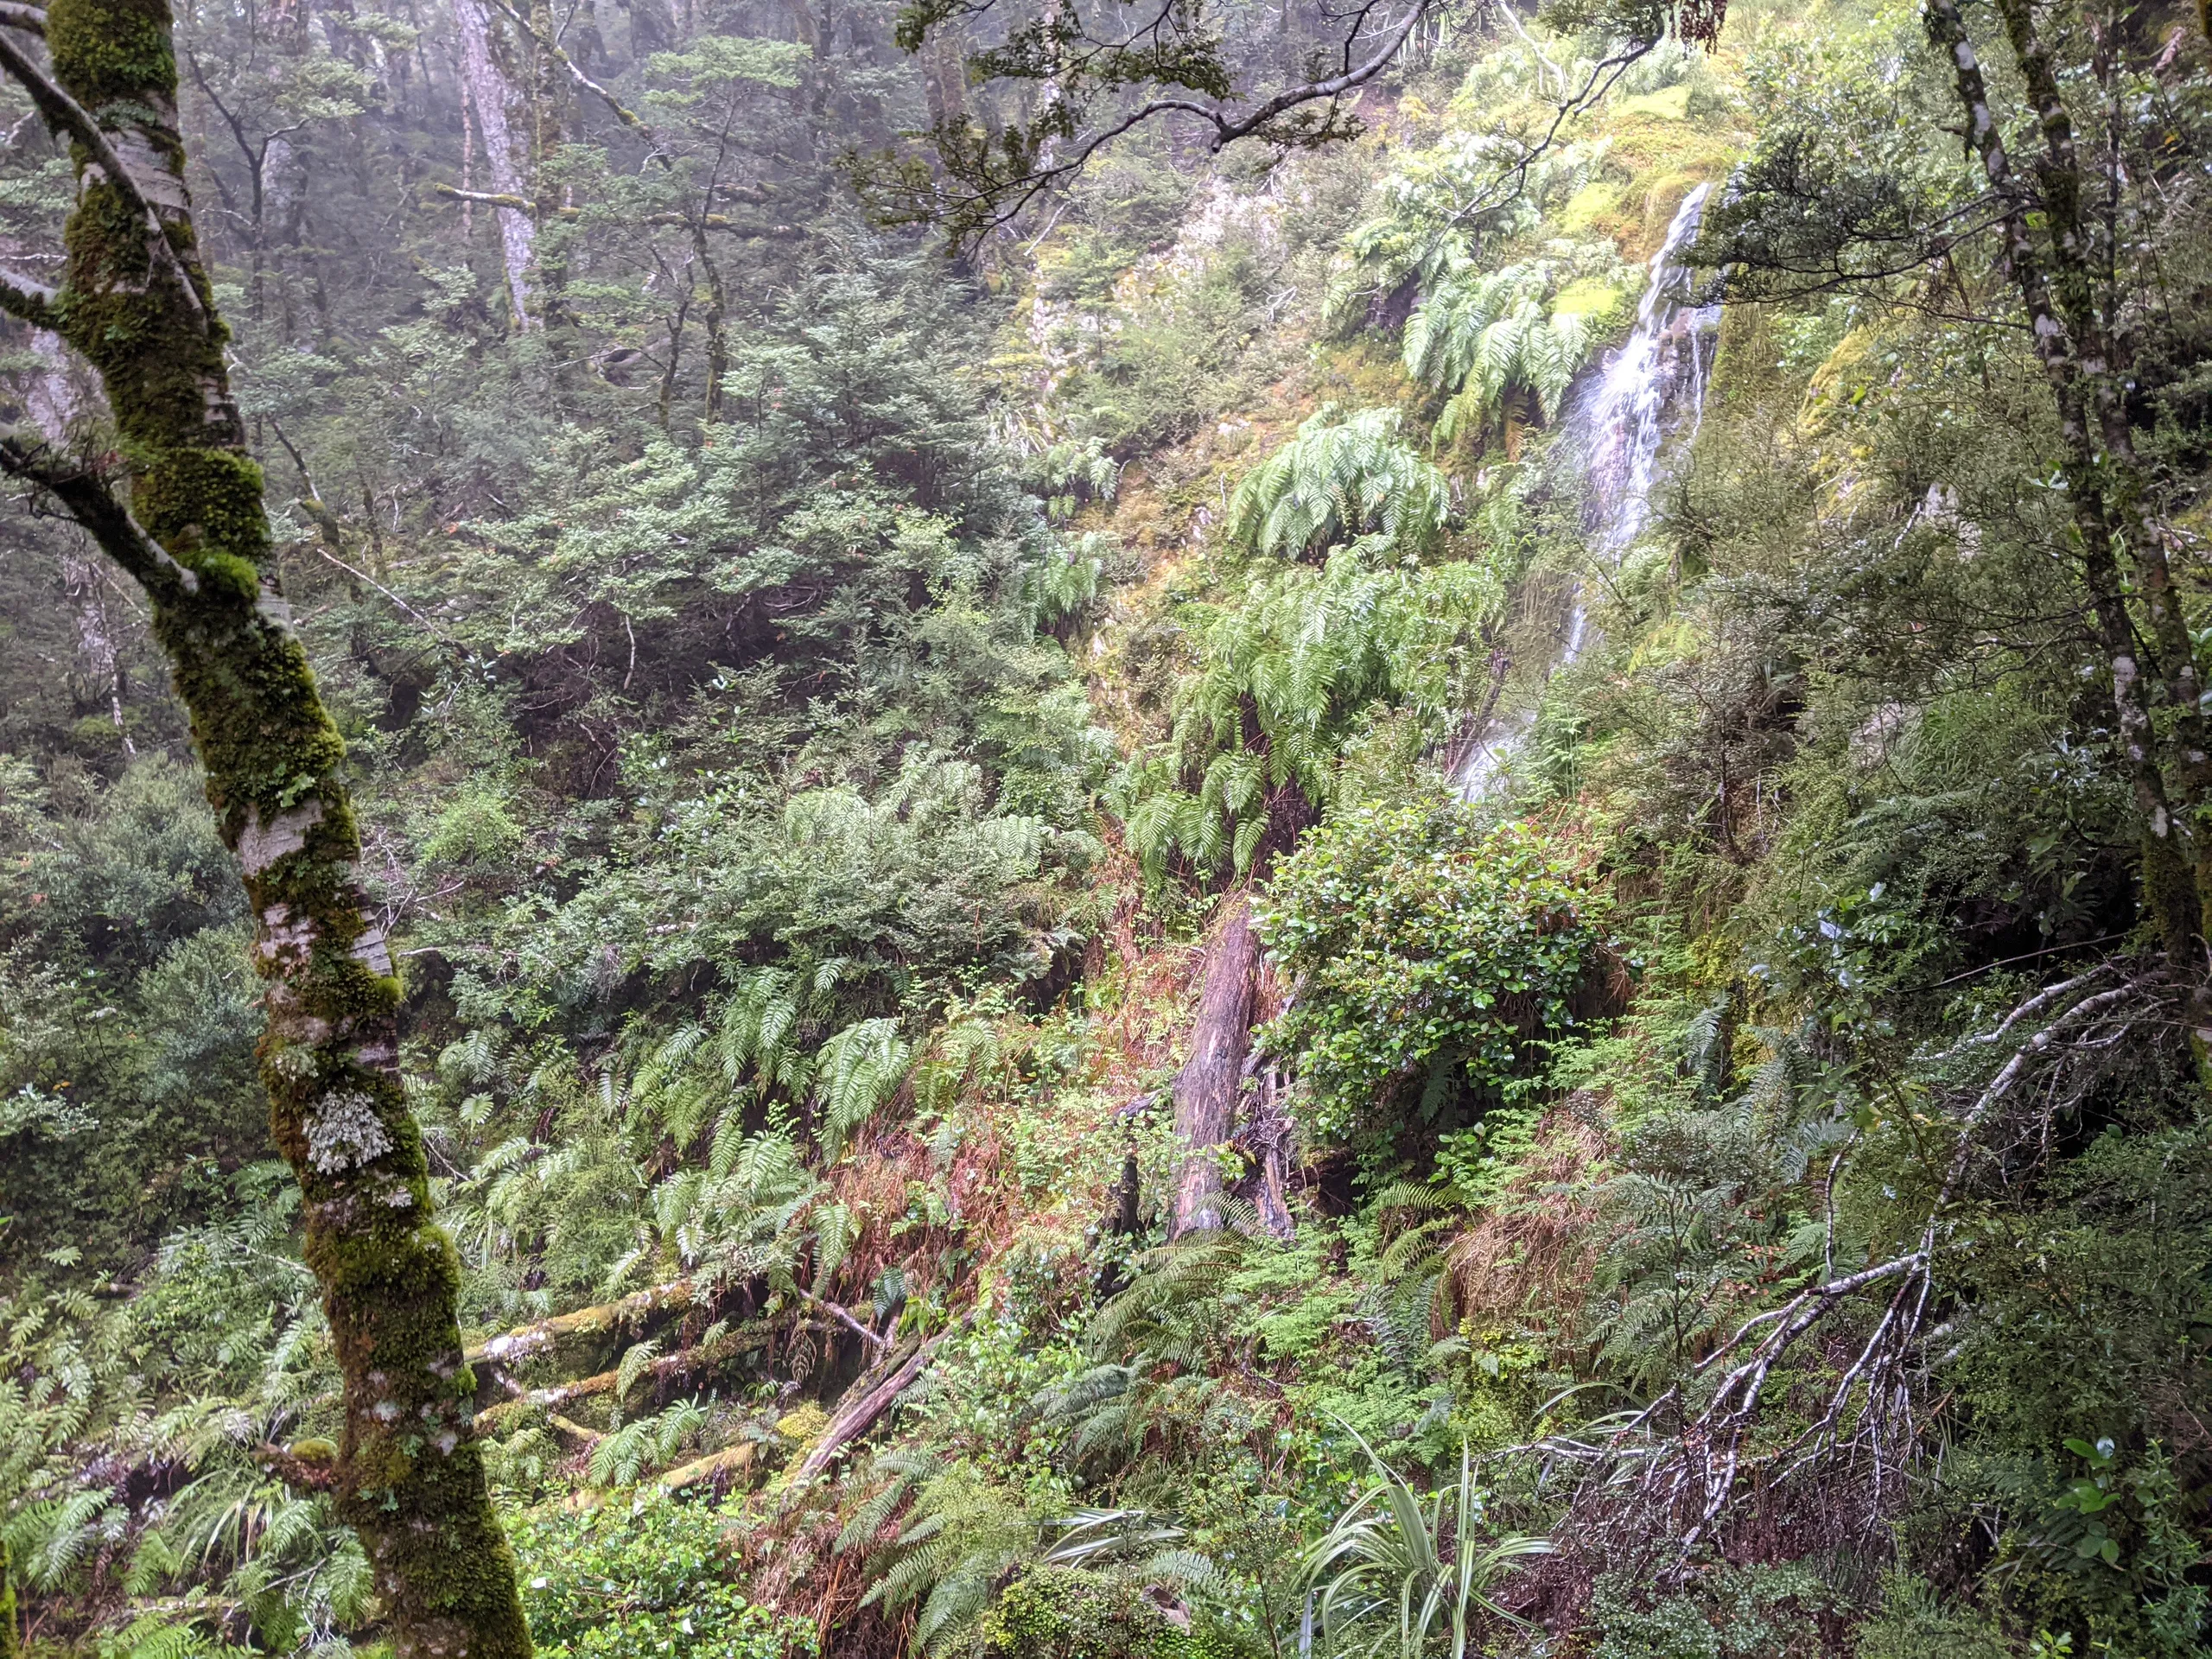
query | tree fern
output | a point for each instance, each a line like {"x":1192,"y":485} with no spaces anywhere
{"x":1341,"y":477}
{"x":1284,"y":679}
{"x":1485,"y":335}
{"x":965,"y":1533}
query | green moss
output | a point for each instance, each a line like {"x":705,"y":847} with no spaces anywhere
{"x":1065,"y":1613}
{"x":112,"y":51}
{"x":10,"y":1645}
{"x":210,"y":497}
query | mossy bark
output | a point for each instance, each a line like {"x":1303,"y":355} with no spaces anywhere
{"x":409,"y":1475}
{"x":10,"y":1642}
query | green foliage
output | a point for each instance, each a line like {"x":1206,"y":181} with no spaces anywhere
{"x":1731,"y":1612}
{"x":1404,"y":1575}
{"x":731,"y":664}
{"x":1484,"y":337}
{"x":1286,"y":678}
{"x":1342,"y":478}
{"x":1061,"y":1613}
{"x":1426,"y":949}
{"x":1915,"y":1622}
{"x":644,"y":1578}
{"x":965,"y":1531}
{"x":128,"y":1013}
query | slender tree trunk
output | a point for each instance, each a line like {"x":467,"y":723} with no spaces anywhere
{"x":717,"y":345}
{"x":487,"y":91}
{"x":550,"y":106}
{"x":136,"y":304}
{"x":2082,"y":258}
{"x":1208,"y":1087}
{"x":280,"y":190}
{"x":2057,"y":291}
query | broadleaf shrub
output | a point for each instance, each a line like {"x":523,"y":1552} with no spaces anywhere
{"x":1422,"y":944}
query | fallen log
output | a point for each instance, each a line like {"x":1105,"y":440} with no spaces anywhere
{"x":731,"y":1459}
{"x":523,"y":1341}
{"x":866,"y":1402}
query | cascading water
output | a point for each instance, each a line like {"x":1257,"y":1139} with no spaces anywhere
{"x":1616,"y":429}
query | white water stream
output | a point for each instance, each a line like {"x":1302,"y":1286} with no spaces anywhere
{"x":1617,"y":427}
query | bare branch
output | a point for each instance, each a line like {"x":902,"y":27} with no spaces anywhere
{"x":843,"y":1317}
{"x":1869,"y":1412}
{"x":992,"y":203}
{"x":31,"y":20}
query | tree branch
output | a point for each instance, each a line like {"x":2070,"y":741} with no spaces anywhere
{"x":30,"y":302}
{"x":65,"y":115}
{"x":489,"y":197}
{"x":843,"y":1317}
{"x":30,"y":19}
{"x":1226,"y":131}
{"x":84,"y":495}
{"x":628,"y":118}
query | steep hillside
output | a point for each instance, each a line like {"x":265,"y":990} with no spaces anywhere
{"x":1436,"y":895}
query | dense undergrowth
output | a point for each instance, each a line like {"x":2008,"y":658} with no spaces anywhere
{"x":1738,"y":1183}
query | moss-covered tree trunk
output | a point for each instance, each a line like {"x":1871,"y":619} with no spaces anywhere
{"x":136,"y":302}
{"x":10,"y":1644}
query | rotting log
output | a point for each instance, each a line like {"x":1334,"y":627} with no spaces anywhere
{"x":866,"y":1402}
{"x":730,"y":1460}
{"x":526,"y":1341}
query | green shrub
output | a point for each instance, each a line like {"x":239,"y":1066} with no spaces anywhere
{"x":644,"y":1582}
{"x":1914,"y":1624}
{"x":1424,"y":947}
{"x":1730,"y":1612}
{"x":1065,"y":1613}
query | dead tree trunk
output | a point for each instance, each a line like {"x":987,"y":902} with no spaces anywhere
{"x":136,"y":302}
{"x":1208,"y":1088}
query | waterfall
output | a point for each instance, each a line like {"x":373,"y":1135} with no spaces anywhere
{"x":1615,"y":433}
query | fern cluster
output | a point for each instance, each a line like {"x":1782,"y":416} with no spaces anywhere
{"x":1285,"y":680}
{"x":1485,"y":337}
{"x":1341,"y":477}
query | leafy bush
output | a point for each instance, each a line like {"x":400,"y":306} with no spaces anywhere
{"x":1734,"y":1612}
{"x":1067,"y":1612}
{"x":1423,"y":947}
{"x":642,"y":1582}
